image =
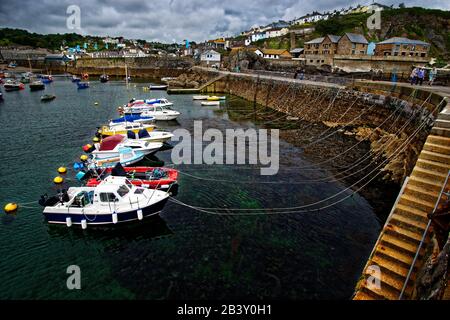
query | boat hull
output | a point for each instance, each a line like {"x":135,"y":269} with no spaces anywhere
{"x":104,"y":219}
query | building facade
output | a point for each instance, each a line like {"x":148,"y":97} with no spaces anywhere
{"x":352,"y":44}
{"x":405,"y":47}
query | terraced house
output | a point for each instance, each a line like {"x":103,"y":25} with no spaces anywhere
{"x":352,"y":44}
{"x":405,"y":47}
{"x":321,"y":50}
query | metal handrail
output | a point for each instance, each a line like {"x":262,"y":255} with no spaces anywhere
{"x":423,"y":238}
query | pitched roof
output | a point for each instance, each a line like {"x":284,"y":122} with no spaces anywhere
{"x":356,"y":38}
{"x":400,"y":40}
{"x":297,"y":50}
{"x":281,"y":52}
{"x":316,"y":40}
{"x":333,"y":38}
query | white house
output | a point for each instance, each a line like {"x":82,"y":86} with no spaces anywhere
{"x":258,"y":36}
{"x":276,"y":32}
{"x":210,"y":57}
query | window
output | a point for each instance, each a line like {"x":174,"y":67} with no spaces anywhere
{"x":353,"y":45}
{"x":107,"y":197}
{"x":123,"y":190}
{"x":353,"y":51}
{"x":403,"y":53}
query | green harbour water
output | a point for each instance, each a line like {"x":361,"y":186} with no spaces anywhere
{"x":183,"y":253}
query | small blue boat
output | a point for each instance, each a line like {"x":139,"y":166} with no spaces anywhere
{"x":83,"y":85}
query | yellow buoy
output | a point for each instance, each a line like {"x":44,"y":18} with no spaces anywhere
{"x":62,"y":170}
{"x":95,"y":139}
{"x":11,"y":207}
{"x":83,"y":157}
{"x":58,"y":180}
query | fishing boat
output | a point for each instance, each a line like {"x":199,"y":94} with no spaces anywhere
{"x":75,"y":79}
{"x":147,"y":177}
{"x":161,"y":113}
{"x":104,"y":78}
{"x":83,"y":85}
{"x":114,"y":200}
{"x":48,"y":97}
{"x":124,"y":127}
{"x":37,"y":85}
{"x":200,"y":97}
{"x":110,"y":146}
{"x":154,"y":136}
{"x":133,"y":118}
{"x":210,"y":103}
{"x":12,"y":85}
{"x":12,"y":65}
{"x":158,"y":87}
{"x":25,"y":79}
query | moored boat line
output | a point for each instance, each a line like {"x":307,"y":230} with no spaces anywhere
{"x":114,"y":190}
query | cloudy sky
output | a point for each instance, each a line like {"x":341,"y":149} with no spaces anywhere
{"x":169,"y":20}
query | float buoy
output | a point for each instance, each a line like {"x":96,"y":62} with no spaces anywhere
{"x":87,"y":147}
{"x":83,"y":157}
{"x":58,"y":180}
{"x":95,"y":139}
{"x":96,"y":103}
{"x":62,"y":170}
{"x":11,"y":207}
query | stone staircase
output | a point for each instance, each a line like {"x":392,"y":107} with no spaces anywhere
{"x":399,"y":240}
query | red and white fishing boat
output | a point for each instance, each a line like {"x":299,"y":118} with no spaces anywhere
{"x":146,"y":177}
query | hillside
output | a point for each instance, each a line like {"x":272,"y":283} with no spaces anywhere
{"x":429,"y":25}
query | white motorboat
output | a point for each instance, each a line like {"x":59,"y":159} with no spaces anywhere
{"x":200,"y":97}
{"x":210,"y":103}
{"x":110,"y":146}
{"x":158,"y":87}
{"x":115,"y":200}
{"x":160,"y":113}
{"x":163,"y":102}
{"x":153,"y":136}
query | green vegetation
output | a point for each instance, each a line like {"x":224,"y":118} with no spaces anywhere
{"x":338,"y":25}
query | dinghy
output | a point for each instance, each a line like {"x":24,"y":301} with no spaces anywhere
{"x":210,"y":103}
{"x":47,"y":97}
{"x":83,"y":85}
{"x":146,"y":177}
{"x":104,"y":78}
{"x":115,"y":200}
{"x":200,"y":97}
{"x":158,"y":87}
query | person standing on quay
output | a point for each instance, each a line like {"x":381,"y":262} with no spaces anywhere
{"x":432,"y":76}
{"x":413,"y":76}
{"x":421,"y":76}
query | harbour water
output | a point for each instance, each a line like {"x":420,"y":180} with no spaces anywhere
{"x":184,"y":253}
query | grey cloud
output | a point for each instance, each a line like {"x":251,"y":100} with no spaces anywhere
{"x":166,"y":20}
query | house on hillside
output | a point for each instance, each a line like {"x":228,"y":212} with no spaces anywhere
{"x":275,"y":54}
{"x":352,"y":44}
{"x":273,"y":33}
{"x":296,"y":52}
{"x":210,"y":57}
{"x":398,"y":46}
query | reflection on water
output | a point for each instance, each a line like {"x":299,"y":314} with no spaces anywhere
{"x":183,"y":253}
